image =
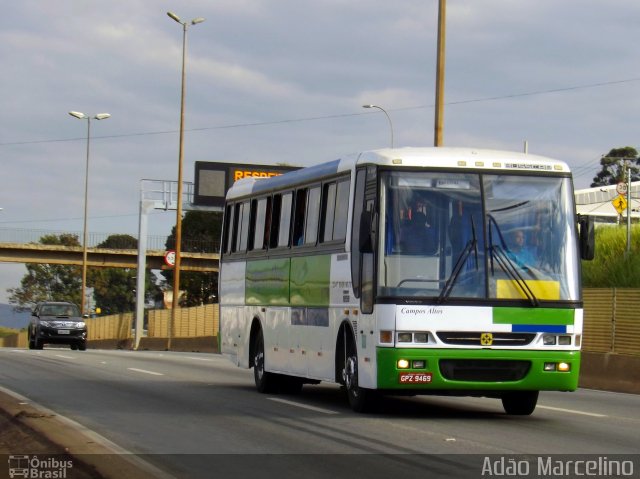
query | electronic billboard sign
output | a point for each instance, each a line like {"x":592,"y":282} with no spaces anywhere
{"x":213,"y":180}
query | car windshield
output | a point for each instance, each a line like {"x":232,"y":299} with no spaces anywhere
{"x":59,"y":310}
{"x":454,"y":235}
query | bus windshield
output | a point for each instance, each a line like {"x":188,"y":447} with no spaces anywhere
{"x":461,"y":235}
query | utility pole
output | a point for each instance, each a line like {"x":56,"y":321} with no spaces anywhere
{"x":439,"y":119}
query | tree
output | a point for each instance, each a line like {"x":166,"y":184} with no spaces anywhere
{"x":614,"y":167}
{"x":201,"y":232}
{"x":114,"y":289}
{"x":48,"y":282}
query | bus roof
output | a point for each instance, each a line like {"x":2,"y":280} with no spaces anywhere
{"x":433,"y":157}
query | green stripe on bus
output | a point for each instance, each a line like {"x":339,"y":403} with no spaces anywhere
{"x":267,"y":282}
{"x":533,"y":316}
{"x":310,"y":280}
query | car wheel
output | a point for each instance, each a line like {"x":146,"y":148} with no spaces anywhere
{"x":82,"y":346}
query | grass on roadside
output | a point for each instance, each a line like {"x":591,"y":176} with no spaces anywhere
{"x":610,"y":267}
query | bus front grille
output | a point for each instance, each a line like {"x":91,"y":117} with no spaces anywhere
{"x":474,"y":338}
{"x":484,"y":370}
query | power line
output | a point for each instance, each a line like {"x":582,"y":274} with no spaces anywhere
{"x":335,"y":116}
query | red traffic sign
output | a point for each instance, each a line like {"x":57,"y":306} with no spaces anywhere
{"x":170,"y":258}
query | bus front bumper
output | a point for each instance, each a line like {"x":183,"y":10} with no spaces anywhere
{"x":424,"y":371}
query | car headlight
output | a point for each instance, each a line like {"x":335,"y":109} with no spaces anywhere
{"x":80,"y":324}
{"x":46,"y":324}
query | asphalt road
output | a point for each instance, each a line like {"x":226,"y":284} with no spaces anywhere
{"x":193,"y":414}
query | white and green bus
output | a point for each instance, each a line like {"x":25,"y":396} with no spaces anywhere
{"x":410,"y":271}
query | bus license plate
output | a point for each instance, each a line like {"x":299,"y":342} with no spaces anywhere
{"x":64,"y":331}
{"x":415,"y":378}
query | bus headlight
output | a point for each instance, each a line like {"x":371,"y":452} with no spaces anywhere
{"x":405,"y":337}
{"x":560,"y":367}
{"x":564,"y":340}
{"x":403,"y":364}
{"x":553,"y":339}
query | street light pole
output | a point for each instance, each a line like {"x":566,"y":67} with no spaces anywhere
{"x":82,"y":116}
{"x":388,"y":118}
{"x":178,"y":246}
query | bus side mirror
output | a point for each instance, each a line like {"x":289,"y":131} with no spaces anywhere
{"x":587,"y":237}
{"x":366,"y":232}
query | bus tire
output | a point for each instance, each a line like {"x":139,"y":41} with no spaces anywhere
{"x":265,"y":382}
{"x":360,"y":399}
{"x":520,"y":403}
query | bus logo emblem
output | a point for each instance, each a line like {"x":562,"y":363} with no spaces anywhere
{"x":486,"y":339}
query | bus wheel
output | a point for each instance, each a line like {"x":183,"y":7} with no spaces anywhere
{"x":520,"y":403}
{"x":265,"y":382}
{"x":359,"y":399}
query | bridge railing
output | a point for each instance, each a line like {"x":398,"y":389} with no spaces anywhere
{"x":154,"y":242}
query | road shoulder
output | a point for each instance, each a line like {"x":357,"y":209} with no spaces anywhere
{"x":27,"y":428}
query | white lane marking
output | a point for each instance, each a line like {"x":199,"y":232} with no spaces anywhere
{"x":303,"y":406}
{"x":145,"y":371}
{"x":572,"y":411}
{"x":199,"y":359}
{"x":64,"y":357}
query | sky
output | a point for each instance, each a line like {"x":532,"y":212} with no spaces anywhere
{"x":284,"y":81}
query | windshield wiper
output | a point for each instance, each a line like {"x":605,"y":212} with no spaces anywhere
{"x":472,"y":245}
{"x":499,"y":252}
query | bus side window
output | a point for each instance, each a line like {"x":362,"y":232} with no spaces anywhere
{"x":313,"y":215}
{"x":298,"y":217}
{"x":243,"y":233}
{"x":267,"y":224}
{"x":235,"y":226}
{"x":259,"y":215}
{"x":333,"y":225}
{"x":342,"y":210}
{"x":276,"y":205}
{"x":228,"y":224}
{"x":328,"y":212}
{"x":285,"y":220}
{"x":252,"y":224}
